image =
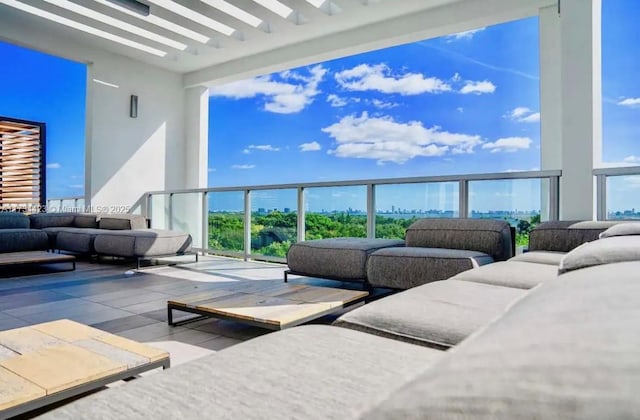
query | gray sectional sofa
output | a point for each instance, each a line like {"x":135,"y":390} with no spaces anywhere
{"x":567,"y":348}
{"x":433,"y":249}
{"x":118,"y":235}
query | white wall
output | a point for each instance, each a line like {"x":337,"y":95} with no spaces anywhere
{"x":128,"y":156}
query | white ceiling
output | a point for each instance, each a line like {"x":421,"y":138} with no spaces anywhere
{"x":337,"y":27}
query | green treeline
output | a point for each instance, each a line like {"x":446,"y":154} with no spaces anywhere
{"x":273,"y":233}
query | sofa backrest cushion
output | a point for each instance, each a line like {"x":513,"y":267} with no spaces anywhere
{"x":489,"y":236}
{"x":568,"y":350}
{"x":603,"y":251}
{"x":122,"y":222}
{"x":45,"y":220}
{"x":85,"y":220}
{"x":565,"y":235}
{"x":13,"y":220}
{"x":622,"y":229}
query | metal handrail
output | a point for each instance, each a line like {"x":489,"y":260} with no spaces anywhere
{"x":146,"y":200}
{"x":494,"y":176}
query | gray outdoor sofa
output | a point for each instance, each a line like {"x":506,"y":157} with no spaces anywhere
{"x":115,"y":235}
{"x":567,"y":348}
{"x":433,"y":249}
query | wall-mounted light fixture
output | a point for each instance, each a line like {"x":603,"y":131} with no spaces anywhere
{"x":133,"y":106}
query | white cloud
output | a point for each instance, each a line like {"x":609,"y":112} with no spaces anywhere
{"x":477,"y":87}
{"x":211,"y":169}
{"x":523,"y":114}
{"x":463,"y":35}
{"x":288,"y":96}
{"x":243,"y":166}
{"x":336,"y":101}
{"x":76,"y":186}
{"x":261,"y":147}
{"x":383,"y":105}
{"x":313,"y":146}
{"x":508,"y":144}
{"x":380,"y":78}
{"x":631,"y":102}
{"x":54,"y":165}
{"x":385,"y":140}
{"x":460,"y":109}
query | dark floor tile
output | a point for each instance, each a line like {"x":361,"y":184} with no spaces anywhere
{"x":123,"y":324}
{"x":19,"y":300}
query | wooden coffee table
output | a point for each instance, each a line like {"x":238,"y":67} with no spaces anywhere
{"x":46,"y":363}
{"x":35,"y":257}
{"x":268,"y":305}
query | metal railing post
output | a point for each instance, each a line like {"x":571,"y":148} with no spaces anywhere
{"x":205,"y":222}
{"x":463,"y":198}
{"x":371,"y":211}
{"x":601,"y":197}
{"x":302,"y":216}
{"x":149,"y":210}
{"x":554,"y":198}
{"x":247,"y":224}
{"x":170,"y":211}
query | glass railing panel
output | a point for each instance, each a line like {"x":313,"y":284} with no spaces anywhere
{"x":226,"y":221}
{"x":273,"y":221}
{"x":623,"y":200}
{"x":159,"y":211}
{"x":186,"y":215}
{"x":521,"y":202}
{"x":399,"y":205}
{"x":332,"y":212}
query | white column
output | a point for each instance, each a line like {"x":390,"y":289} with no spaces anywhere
{"x":196,"y":137}
{"x":581,"y":109}
{"x":550,"y":97}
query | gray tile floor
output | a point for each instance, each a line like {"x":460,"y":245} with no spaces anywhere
{"x":107,"y":296}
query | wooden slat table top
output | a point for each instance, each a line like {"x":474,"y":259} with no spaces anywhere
{"x":33,"y":257}
{"x":275,"y":305}
{"x":38,"y":361}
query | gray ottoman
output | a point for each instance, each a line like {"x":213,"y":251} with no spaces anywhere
{"x":407,"y":267}
{"x":338,"y":258}
{"x":142,"y":243}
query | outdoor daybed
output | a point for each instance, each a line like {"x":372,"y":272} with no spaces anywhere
{"x":567,"y":348}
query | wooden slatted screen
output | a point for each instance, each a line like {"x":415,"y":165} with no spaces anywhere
{"x":22,"y":166}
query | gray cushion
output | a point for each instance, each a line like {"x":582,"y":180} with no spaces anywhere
{"x":310,"y":372}
{"x":122,"y":222}
{"x":18,"y":240}
{"x":540,"y":257}
{"x":492,"y":237}
{"x":45,"y":220}
{"x":142,"y":242}
{"x":519,"y":274}
{"x":563,"y":236}
{"x":344,"y":258}
{"x":439,"y":314}
{"x":86,"y":221}
{"x":622,"y":229}
{"x":78,"y":240}
{"x":406,"y":267}
{"x":13,"y":220}
{"x":570,"y":349}
{"x":604,"y":251}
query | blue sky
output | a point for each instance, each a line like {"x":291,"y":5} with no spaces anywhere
{"x":459,"y":104}
{"x":43,"y":88}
